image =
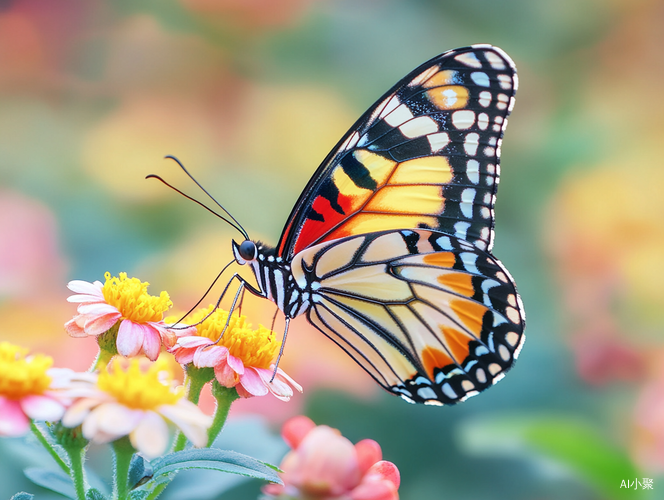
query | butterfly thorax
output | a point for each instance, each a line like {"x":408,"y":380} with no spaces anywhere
{"x":275,"y":279}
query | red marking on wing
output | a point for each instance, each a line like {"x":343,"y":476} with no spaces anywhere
{"x":314,"y":229}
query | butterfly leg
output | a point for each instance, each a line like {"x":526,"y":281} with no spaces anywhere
{"x":281,"y":349}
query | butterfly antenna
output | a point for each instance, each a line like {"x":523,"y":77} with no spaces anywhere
{"x":238,"y":225}
{"x":239,"y":229}
{"x":202,"y":298}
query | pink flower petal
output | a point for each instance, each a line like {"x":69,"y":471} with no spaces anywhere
{"x":295,"y":429}
{"x":101,"y":324}
{"x":283,"y":375}
{"x":236,"y":364}
{"x":96,"y":308}
{"x":76,"y":413}
{"x":368,"y":453}
{"x":380,"y":483}
{"x":193,"y":341}
{"x":225,"y":375}
{"x":74,"y":330}
{"x":168,"y":336}
{"x":252,"y":382}
{"x":42,"y":408}
{"x":130,"y":338}
{"x":13,"y":422}
{"x":151,"y":342}
{"x":182,"y":355}
{"x":210,"y":356}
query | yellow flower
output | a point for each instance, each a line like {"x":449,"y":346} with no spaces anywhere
{"x":242,"y":358}
{"x":26,"y":384}
{"x":127,"y":399}
{"x":127,"y":301}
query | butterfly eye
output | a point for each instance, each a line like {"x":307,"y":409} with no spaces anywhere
{"x":248,"y":250}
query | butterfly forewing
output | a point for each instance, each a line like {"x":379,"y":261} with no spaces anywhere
{"x":426,"y":155}
{"x":431,"y":317}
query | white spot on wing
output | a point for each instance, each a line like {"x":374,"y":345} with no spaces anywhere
{"x":422,"y":125}
{"x":388,"y":106}
{"x":483,"y":121}
{"x":438,"y":141}
{"x":400,"y":115}
{"x":503,"y":100}
{"x":445,"y":243}
{"x":480,"y":78}
{"x":505,"y":82}
{"x":467,"y":200}
{"x":485,"y":98}
{"x":469,"y":59}
{"x":495,"y":61}
{"x":471,"y":143}
{"x":426,"y":393}
{"x":470,"y":262}
{"x":463,"y":119}
{"x":460,"y":229}
{"x":473,"y":171}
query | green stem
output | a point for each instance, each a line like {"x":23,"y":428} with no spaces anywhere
{"x":195,"y":380}
{"x":76,"y":457}
{"x":225,"y":397}
{"x":123,"y":452}
{"x":49,"y":448}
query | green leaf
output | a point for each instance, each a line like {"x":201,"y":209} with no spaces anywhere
{"x":53,"y":480}
{"x":94,"y":494}
{"x":570,"y":442}
{"x":214,"y":459}
{"x":22,"y":495}
{"x":138,"y":494}
{"x":139,"y":469}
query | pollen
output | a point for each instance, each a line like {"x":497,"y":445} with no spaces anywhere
{"x":138,"y":388}
{"x":257,"y":348}
{"x":22,"y":375}
{"x":130,"y":297}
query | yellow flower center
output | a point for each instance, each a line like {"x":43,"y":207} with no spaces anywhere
{"x":22,"y":376}
{"x":257,"y":348}
{"x":130,"y":297}
{"x":139,"y":389}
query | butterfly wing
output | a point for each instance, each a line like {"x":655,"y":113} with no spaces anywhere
{"x":426,"y":155}
{"x":429,"y":316}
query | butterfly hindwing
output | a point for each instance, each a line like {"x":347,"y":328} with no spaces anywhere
{"x":429,"y":316}
{"x":426,"y":155}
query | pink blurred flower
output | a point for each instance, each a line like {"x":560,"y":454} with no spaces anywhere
{"x":126,"y":300}
{"x":324,"y":465}
{"x":242,"y":358}
{"x":29,"y":389}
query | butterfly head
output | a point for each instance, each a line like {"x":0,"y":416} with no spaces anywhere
{"x":245,"y":252}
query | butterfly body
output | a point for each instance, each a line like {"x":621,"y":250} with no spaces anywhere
{"x":387,"y":251}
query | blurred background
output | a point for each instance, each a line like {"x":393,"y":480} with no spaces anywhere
{"x":251,"y":95}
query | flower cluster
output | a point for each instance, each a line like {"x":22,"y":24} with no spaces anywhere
{"x":324,"y":465}
{"x":241,"y":357}
{"x":134,"y":402}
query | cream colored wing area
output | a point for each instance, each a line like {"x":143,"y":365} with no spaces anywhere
{"x":372,"y":281}
{"x":366,"y":345}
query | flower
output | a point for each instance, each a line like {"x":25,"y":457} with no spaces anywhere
{"x":126,"y":400}
{"x":125,"y":300}
{"x":324,"y":465}
{"x":28,"y":389}
{"x":242,"y":357}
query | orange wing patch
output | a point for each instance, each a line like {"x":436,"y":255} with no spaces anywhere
{"x":457,"y":342}
{"x":470,"y":313}
{"x":448,"y":97}
{"x":459,"y":282}
{"x":434,"y":358}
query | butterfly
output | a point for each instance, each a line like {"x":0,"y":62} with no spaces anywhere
{"x":388,"y":249}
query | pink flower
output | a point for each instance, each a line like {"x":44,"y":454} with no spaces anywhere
{"x":242,"y":358}
{"x":126,"y":300}
{"x":324,"y":465}
{"x":29,"y":390}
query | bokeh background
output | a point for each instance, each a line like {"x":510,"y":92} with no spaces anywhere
{"x":251,"y":95}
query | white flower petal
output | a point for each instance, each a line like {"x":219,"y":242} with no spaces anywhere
{"x":86,"y":288}
{"x":76,"y":413}
{"x":151,"y":435}
{"x":190,"y":419}
{"x":114,"y":418}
